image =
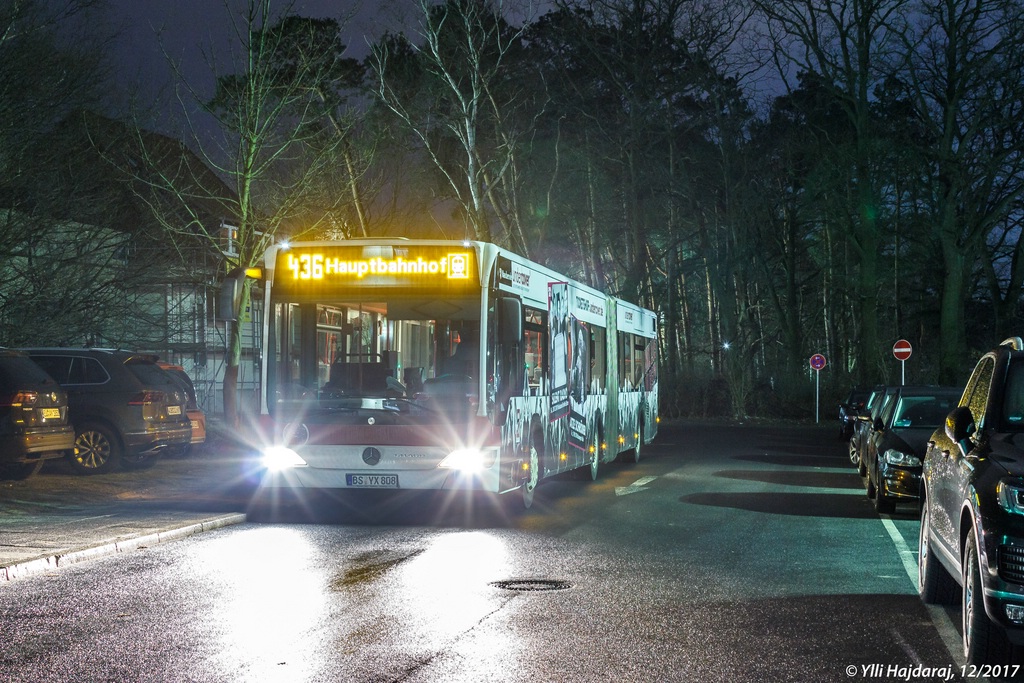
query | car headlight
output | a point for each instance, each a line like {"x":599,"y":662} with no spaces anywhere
{"x":901,"y":459}
{"x":468,"y":460}
{"x":281,"y":458}
{"x":1010,"y":494}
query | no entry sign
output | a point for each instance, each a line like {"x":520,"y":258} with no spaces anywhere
{"x":902,"y":350}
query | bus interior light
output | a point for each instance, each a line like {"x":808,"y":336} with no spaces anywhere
{"x":278,"y":458}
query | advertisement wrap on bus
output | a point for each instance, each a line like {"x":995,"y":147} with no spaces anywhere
{"x":442,"y":365}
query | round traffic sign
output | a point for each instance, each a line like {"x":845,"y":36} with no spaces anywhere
{"x":817,"y":361}
{"x":902,"y":349}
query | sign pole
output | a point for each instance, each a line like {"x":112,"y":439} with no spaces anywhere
{"x":817,"y":363}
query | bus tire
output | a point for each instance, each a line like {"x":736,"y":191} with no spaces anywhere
{"x":595,"y":462}
{"x":534,"y":451}
{"x":633,"y":454}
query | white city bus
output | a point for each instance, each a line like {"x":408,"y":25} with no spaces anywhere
{"x":399,"y":364}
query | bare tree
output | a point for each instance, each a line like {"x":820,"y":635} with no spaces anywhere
{"x":466,"y":95}
{"x":277,"y":134}
{"x":963,"y":77}
{"x":849,"y":46}
{"x":63,"y":273}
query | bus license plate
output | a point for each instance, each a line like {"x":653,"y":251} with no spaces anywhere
{"x":372,"y":481}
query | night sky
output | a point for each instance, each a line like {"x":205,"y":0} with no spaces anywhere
{"x":187,"y":28}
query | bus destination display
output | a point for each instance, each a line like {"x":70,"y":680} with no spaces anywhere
{"x":336,"y":269}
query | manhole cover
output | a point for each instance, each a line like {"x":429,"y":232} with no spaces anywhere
{"x":533,"y":585}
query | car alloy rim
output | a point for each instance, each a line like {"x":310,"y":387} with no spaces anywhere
{"x":93,"y":449}
{"x":922,"y":547}
{"x":968,"y":602}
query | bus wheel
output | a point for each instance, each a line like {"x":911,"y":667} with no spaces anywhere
{"x":595,"y":462}
{"x":530,"y":485}
{"x":633,"y":454}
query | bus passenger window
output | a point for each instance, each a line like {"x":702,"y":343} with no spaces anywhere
{"x":598,"y":358}
{"x":625,"y":361}
{"x":536,"y":340}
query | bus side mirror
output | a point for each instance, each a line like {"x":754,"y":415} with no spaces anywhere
{"x":229,"y":298}
{"x":510,"y":321}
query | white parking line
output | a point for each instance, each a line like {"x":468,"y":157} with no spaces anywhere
{"x":947,"y":631}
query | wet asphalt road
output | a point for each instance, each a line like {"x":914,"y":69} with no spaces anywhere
{"x":727,"y":554}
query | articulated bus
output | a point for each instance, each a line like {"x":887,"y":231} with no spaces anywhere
{"x":400,"y":364}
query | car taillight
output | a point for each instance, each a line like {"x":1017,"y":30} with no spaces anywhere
{"x":147,"y":398}
{"x":19,"y":399}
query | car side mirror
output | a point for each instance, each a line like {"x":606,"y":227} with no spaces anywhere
{"x":960,"y":427}
{"x":878,"y":425}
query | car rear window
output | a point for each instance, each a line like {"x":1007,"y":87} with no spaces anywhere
{"x":148,"y":372}
{"x":17,"y":370}
{"x":923,"y":411}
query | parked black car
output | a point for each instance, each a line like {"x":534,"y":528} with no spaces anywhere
{"x":972,"y":523}
{"x":862,"y":426}
{"x":125,"y":409}
{"x":896,"y":443}
{"x":850,"y":409}
{"x":34,"y":423}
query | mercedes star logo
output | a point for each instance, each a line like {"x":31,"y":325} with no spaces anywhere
{"x":371,"y":456}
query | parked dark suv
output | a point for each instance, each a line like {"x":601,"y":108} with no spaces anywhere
{"x":125,"y":409}
{"x":972,"y":523}
{"x":34,"y":423}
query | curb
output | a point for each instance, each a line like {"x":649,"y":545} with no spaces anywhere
{"x":70,"y":557}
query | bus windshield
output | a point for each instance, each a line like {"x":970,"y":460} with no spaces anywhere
{"x":399,"y":354}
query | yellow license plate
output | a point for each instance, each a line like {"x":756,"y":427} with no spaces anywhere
{"x":51,"y":413}
{"x":174,"y":410}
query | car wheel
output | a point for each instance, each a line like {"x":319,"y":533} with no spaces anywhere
{"x":854,"y":457}
{"x":21,"y":470}
{"x":984,"y":641}
{"x":97,"y":449}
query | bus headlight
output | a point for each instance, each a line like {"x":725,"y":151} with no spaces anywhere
{"x":466,"y":460}
{"x":280,"y":458}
